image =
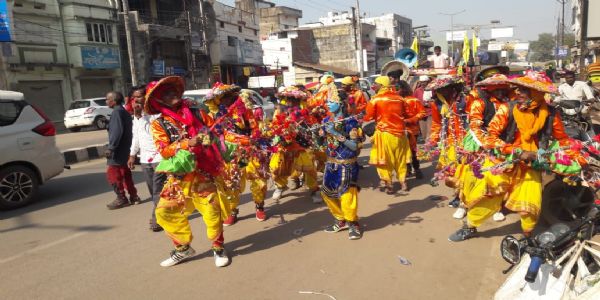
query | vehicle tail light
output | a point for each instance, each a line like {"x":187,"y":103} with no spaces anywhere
{"x":89,"y":110}
{"x":47,"y":128}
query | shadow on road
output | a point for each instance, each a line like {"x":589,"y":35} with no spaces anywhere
{"x":66,"y":189}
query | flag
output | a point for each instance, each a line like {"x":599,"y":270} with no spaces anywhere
{"x":415,"y":47}
{"x":466,"y":50}
{"x":475,"y":45}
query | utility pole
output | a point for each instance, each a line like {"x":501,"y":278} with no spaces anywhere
{"x":191,"y":60}
{"x":354,"y":34}
{"x":134,"y":80}
{"x":451,"y":15}
{"x":360,"y":48}
{"x":582,"y":39}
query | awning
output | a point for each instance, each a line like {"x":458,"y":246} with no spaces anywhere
{"x":326,"y":68}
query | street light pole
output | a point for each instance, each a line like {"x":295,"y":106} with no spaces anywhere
{"x":452,"y":28}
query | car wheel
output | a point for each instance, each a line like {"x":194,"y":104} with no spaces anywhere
{"x":18,"y":186}
{"x":75,"y":129}
{"x":100,"y":122}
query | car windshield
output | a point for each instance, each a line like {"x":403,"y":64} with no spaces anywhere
{"x":101,"y":102}
{"x":79,"y":104}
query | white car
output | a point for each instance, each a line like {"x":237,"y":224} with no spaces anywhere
{"x":268,"y":107}
{"x":29,"y":153}
{"x":86,"y":113}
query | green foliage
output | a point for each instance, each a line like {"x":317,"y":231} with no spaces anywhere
{"x":543,"y":48}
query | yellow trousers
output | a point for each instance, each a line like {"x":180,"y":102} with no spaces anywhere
{"x":258,"y":184}
{"x":320,"y":160}
{"x":283,"y":165}
{"x":345,"y":208}
{"x":390,"y":154}
{"x":524,"y":197}
{"x":174,"y":219}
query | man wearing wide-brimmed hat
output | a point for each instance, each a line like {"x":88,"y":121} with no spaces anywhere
{"x":357,"y":102}
{"x":448,"y":129}
{"x":193,"y":164}
{"x":520,"y":128}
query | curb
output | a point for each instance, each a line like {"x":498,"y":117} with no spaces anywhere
{"x":77,"y":155}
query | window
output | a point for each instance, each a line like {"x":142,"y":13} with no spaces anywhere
{"x":255,"y":32}
{"x":240,"y":28}
{"x":308,"y":79}
{"x":286,"y":26}
{"x":231,"y":41}
{"x":249,"y":41}
{"x":90,"y":33}
{"x":79,"y":104}
{"x":100,"y":102}
{"x":99,"y":33}
{"x":222,"y":24}
{"x":109,"y":34}
{"x":9,"y":112}
{"x":102,"y":33}
{"x":39,"y":5}
{"x":96,"y":33}
{"x":18,"y":4}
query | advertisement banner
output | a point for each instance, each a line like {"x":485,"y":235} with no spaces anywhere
{"x":158,"y":67}
{"x":495,"y":46}
{"x":456,"y":35}
{"x":592,"y":26}
{"x":4,"y":22}
{"x":93,"y":57}
{"x":502,"y":32}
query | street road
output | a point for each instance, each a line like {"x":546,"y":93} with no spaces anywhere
{"x":81,"y":139}
{"x":67,"y":245}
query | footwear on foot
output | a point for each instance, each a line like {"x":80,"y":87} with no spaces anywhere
{"x":499,"y":217}
{"x":154,"y":226}
{"x":278,"y":193}
{"x":316,"y":197}
{"x":337,"y":227}
{"x":135,"y":200}
{"x":454,"y":203}
{"x":389,"y":190}
{"x":418,"y":174}
{"x":232,"y":219}
{"x":120,"y":202}
{"x":296,"y":184}
{"x":403,"y":186}
{"x":463,"y":234}
{"x":221,"y":258}
{"x":460,"y":213}
{"x":354,"y":232}
{"x":382,"y":186}
{"x":260,"y":214}
{"x":178,"y":256}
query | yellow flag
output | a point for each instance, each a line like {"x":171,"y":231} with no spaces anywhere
{"x":466,"y":50}
{"x":475,"y":42}
{"x":415,"y":47}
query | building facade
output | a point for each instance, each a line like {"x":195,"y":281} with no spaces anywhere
{"x":274,"y":19}
{"x":393,"y":32}
{"x":234,"y":44}
{"x":61,"y":51}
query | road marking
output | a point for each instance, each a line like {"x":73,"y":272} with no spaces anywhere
{"x":43,"y":247}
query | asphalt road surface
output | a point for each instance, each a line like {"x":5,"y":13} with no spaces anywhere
{"x":67,"y":245}
{"x":86,"y":137}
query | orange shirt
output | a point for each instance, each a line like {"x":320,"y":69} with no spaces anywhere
{"x":162,"y":138}
{"x":455,"y":131}
{"x":387,"y":109}
{"x":415,"y":111}
{"x":500,"y":122}
{"x":360,"y":102}
{"x":476,"y":111}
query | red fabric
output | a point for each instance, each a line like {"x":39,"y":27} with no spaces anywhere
{"x":129,"y":105}
{"x":120,"y":177}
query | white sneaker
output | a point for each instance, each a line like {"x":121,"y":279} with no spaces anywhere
{"x":316,"y":197}
{"x":460,"y":213}
{"x":277,"y":194}
{"x":499,"y":217}
{"x":177,"y":257}
{"x":221,"y":258}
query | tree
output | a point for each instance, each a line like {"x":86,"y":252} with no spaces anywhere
{"x":543,"y":48}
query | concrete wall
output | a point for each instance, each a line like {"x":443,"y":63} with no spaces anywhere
{"x":279,"y":18}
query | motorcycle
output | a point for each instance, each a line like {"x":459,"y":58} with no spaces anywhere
{"x":560,"y":263}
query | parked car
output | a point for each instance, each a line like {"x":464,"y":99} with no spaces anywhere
{"x":29,"y":153}
{"x":197,"y":96}
{"x":87,"y":113}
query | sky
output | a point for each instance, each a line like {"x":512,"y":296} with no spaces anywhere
{"x":530,"y":17}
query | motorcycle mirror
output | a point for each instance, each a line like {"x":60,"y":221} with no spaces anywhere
{"x":511,"y":250}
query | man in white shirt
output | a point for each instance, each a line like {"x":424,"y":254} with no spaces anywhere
{"x":438,"y":59}
{"x":574,"y":90}
{"x":143,"y":144}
